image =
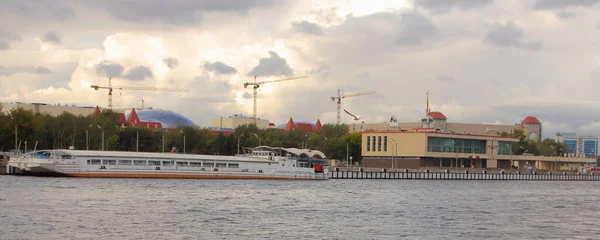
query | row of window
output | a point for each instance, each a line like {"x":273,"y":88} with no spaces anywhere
{"x":377,"y":143}
{"x":158,"y":163}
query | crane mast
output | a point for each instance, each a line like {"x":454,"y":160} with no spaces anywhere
{"x":339,"y":97}
{"x":111,"y":88}
{"x":256,"y":85}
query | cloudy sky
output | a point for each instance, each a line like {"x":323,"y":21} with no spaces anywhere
{"x":486,"y":61}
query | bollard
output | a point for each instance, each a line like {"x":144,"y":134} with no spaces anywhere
{"x":467,"y":171}
{"x":502,"y":172}
{"x":360,"y":169}
{"x":578,"y":173}
{"x":564,"y":173}
{"x":405,"y":170}
{"x":447,"y":171}
{"x":484,"y":172}
{"x":384,"y":170}
{"x":427,"y":171}
{"x":336,"y":169}
{"x":549,"y":173}
{"x":518,"y":172}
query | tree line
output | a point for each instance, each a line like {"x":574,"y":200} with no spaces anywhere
{"x":43,"y":131}
{"x":547,"y":147}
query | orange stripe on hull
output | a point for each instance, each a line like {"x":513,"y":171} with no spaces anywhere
{"x":180,"y":176}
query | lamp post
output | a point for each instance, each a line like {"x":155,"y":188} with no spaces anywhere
{"x":238,"y":143}
{"x":348,"y":154}
{"x":163,"y":140}
{"x":259,"y":139}
{"x":394,"y":153}
{"x":102,"y":149}
{"x":137,"y":141}
{"x":181,"y":131}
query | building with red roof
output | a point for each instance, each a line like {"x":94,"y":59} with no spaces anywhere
{"x":301,"y":125}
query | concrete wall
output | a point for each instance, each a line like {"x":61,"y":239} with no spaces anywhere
{"x":48,"y":109}
{"x":230,"y":122}
{"x":409,"y":144}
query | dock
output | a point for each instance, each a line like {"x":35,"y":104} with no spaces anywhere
{"x":406,"y":174}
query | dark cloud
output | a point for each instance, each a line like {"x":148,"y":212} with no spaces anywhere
{"x":446,"y":79}
{"x":307,"y":27}
{"x":44,"y":9}
{"x":138,"y":73}
{"x":171,"y":62}
{"x":509,"y":35}
{"x":40,"y":70}
{"x":247,"y":95}
{"x":565,"y":14}
{"x":109,"y":69}
{"x":560,"y":4}
{"x":51,"y":37}
{"x":219,"y":67}
{"x":182,"y":12}
{"x":6,"y":39}
{"x":442,"y":6}
{"x":414,"y":28}
{"x":271,"y":66}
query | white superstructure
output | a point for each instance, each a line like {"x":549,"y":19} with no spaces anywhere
{"x":74,"y":163}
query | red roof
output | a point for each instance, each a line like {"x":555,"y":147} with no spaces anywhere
{"x":306,"y":127}
{"x":530,"y":119}
{"x":290,"y":125}
{"x":121,"y":119}
{"x":97,"y":111}
{"x":436,"y":115}
{"x":318,"y":126}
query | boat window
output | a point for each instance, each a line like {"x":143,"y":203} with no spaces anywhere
{"x":153,"y":163}
{"x":233,"y":165}
{"x":93,"y":161}
{"x":139,"y":162}
{"x":109,"y":162}
{"x":195,"y":164}
{"x":209,"y":164}
{"x":221,"y":165}
{"x":183,"y":164}
{"x":167,"y":163}
{"x":124,"y":162}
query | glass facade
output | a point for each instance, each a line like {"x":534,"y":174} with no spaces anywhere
{"x":505,"y":148}
{"x":442,"y":144}
{"x":589,"y":148}
{"x":571,"y":144}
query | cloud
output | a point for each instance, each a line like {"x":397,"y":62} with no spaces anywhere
{"x":247,"y":95}
{"x":271,"y":66}
{"x":138,"y":73}
{"x":219,"y":67}
{"x":40,"y":70}
{"x":171,"y":62}
{"x":560,"y":4}
{"x":565,"y":14}
{"x":53,"y":10}
{"x":509,"y":35}
{"x":6,"y":39}
{"x":185,"y":12}
{"x":414,"y":28}
{"x":446,"y":79}
{"x":109,"y":69}
{"x":443,"y":6}
{"x":307,"y":28}
{"x":51,"y":37}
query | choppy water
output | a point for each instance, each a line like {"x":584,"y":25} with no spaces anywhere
{"x":72,"y":208}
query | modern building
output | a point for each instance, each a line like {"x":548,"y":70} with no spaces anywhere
{"x":579,"y":146}
{"x":53,"y":110}
{"x":427,"y":148}
{"x":237,"y":120}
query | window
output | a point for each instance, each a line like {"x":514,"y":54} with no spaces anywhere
{"x":209,"y":164}
{"x":379,"y":143}
{"x":182,"y":164}
{"x":221,"y":165}
{"x":94,"y":161}
{"x":457,"y":145}
{"x":385,"y":143}
{"x":505,"y":148}
{"x":167,"y":163}
{"x":233,"y":165}
{"x":374,"y":141}
{"x":109,"y":162}
{"x":368,"y":143}
{"x":124,"y":162}
{"x":153,"y":163}
{"x":195,"y":164}
{"x":139,"y":162}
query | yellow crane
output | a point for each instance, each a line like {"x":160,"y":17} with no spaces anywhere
{"x":257,"y":85}
{"x":339,"y":98}
{"x":110,"y":88}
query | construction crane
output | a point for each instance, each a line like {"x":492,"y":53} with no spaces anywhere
{"x":110,"y":88}
{"x":339,"y":98}
{"x":257,"y":85}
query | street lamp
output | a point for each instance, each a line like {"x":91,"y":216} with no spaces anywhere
{"x":102,"y":136}
{"x":163,"y":140}
{"x":238,"y":143}
{"x":16,"y":135}
{"x":181,"y":131}
{"x":259,"y":139}
{"x":394,"y":152}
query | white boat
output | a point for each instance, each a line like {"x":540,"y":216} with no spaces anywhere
{"x":108,"y":164}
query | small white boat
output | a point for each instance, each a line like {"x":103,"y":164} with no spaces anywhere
{"x":109,"y":164}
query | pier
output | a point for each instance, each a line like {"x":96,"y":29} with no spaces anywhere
{"x":406,"y":174}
